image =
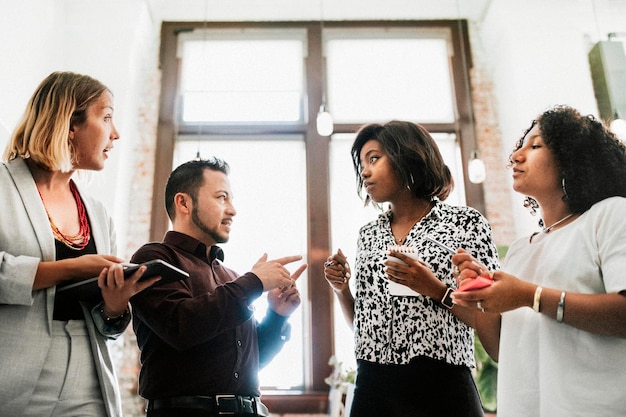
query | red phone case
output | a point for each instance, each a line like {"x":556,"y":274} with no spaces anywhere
{"x":475,"y":284}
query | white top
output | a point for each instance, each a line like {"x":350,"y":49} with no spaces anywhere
{"x":552,"y":369}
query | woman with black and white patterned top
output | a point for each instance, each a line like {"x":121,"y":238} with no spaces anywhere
{"x":414,"y":351}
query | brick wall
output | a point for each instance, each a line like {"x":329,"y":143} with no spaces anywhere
{"x":496,"y":187}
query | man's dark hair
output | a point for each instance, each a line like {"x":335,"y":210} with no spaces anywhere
{"x":188,"y":178}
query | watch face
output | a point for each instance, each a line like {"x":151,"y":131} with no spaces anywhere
{"x":447,"y":299}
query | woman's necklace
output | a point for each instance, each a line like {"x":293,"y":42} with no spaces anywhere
{"x":80,"y":240}
{"x":547,"y":229}
{"x":421,"y":216}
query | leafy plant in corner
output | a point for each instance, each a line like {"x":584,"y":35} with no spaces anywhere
{"x":341,"y":377}
{"x":486,"y":368}
{"x":486,"y":376}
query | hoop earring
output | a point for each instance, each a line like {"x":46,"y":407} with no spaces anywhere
{"x":408,"y":186}
{"x":531,"y":204}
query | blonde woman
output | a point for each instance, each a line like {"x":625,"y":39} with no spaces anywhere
{"x":54,"y":359}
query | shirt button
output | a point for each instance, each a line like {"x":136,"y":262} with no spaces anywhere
{"x":239,"y":343}
{"x":236,"y":375}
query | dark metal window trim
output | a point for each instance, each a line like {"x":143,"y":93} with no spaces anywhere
{"x":314,"y":398}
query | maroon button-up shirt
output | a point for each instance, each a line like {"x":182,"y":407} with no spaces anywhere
{"x":198,"y":336}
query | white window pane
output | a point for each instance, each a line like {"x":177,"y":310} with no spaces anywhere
{"x":230,"y":80}
{"x":270,"y":198}
{"x":348,"y":215}
{"x":451,"y":154}
{"x":383,"y":79}
{"x":225,"y":107}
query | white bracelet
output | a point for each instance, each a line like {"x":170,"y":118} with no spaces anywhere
{"x":537,"y":299}
{"x":560,"y":309}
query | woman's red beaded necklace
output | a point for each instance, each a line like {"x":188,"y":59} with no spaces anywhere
{"x":80,"y":240}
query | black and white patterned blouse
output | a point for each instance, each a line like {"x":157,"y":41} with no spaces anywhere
{"x":395,"y":329}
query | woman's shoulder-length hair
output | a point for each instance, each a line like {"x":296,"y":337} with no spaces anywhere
{"x":414,"y":154}
{"x":60,"y":101}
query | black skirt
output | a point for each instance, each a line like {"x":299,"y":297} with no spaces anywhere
{"x":423,"y":388}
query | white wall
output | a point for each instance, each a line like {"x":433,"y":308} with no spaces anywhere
{"x":112,"y":41}
{"x":534,"y":50}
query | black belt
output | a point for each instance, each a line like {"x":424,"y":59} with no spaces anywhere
{"x":220,"y":405}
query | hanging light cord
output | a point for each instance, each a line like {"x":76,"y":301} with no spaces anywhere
{"x":467,"y":80}
{"x":323,"y":67}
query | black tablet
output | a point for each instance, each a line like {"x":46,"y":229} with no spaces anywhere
{"x":156,"y":267}
{"x":89,"y":291}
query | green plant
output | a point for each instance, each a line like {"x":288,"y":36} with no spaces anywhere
{"x":340,"y":378}
{"x":486,"y":368}
{"x":486,"y":376}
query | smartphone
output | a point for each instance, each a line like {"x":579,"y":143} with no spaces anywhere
{"x":475,"y":284}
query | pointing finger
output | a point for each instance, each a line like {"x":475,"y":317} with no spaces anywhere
{"x":288,"y":259}
{"x":298,"y":272}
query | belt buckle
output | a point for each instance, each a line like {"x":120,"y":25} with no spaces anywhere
{"x":232,"y":399}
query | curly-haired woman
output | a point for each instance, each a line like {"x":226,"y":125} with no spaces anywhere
{"x":561,"y":339}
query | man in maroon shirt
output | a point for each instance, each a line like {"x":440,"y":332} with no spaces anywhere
{"x":201,"y":347}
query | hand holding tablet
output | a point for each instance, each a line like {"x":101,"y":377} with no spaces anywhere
{"x":88,"y":289}
{"x":156,"y":267}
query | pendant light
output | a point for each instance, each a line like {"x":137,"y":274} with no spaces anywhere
{"x":324,"y":121}
{"x":618,"y":126}
{"x":476,"y":169}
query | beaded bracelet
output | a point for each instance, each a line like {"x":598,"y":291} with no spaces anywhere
{"x":113,"y":320}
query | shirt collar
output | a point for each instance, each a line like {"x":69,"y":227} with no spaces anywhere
{"x":216,"y":253}
{"x":193,"y":246}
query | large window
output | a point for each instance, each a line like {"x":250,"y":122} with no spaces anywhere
{"x":379,"y":74}
{"x":269,"y":194}
{"x":249,"y":93}
{"x":247,"y":77}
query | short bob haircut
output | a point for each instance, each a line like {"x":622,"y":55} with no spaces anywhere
{"x":188,"y":178}
{"x":59,"y":102}
{"x":414,"y":155}
{"x":590,"y":158}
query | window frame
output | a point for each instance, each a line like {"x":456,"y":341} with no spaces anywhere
{"x":314,"y":398}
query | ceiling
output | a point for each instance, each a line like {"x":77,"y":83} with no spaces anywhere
{"x":277,"y":10}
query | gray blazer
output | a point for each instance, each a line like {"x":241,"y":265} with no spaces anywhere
{"x":26,"y":315}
